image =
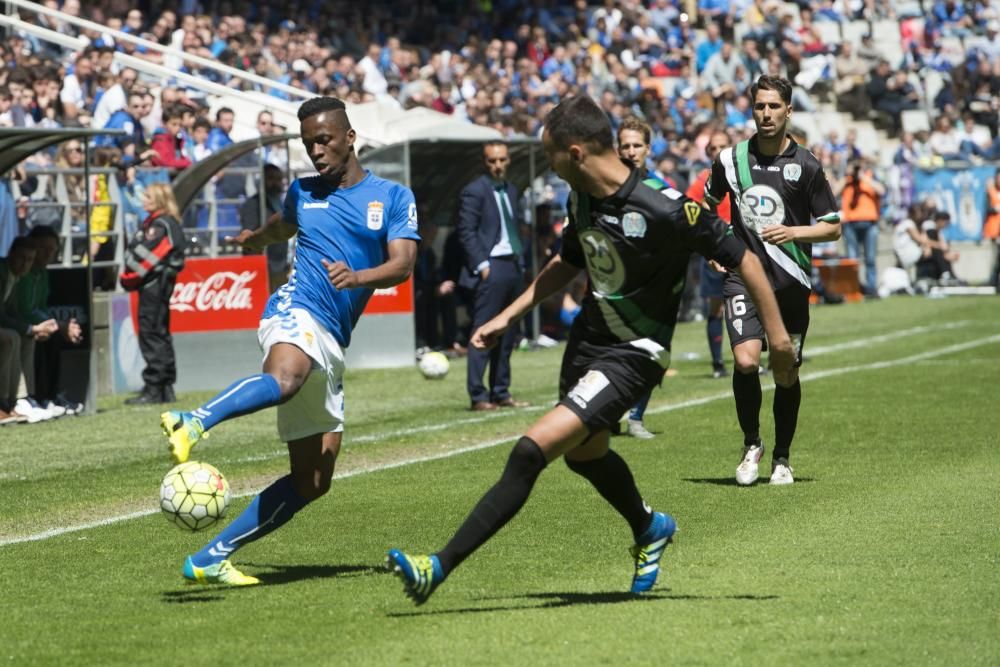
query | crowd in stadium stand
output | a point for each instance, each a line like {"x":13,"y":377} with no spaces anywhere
{"x":682,"y":65}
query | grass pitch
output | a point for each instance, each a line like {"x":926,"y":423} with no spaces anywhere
{"x":885,"y":551}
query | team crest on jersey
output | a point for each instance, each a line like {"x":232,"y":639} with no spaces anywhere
{"x":633,"y":224}
{"x":792,"y":172}
{"x":692,"y":210}
{"x":411,"y":217}
{"x":738,"y":325}
{"x":375,"y":211}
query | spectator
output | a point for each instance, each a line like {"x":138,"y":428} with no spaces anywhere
{"x":849,"y":86}
{"x":79,"y":87}
{"x":860,"y":212}
{"x":908,"y":242}
{"x":936,"y":266}
{"x":891,"y":94}
{"x":277,"y":253}
{"x":133,"y":143}
{"x":168,"y":142}
{"x":944,"y":141}
{"x":114,"y":98}
{"x":199,"y":135}
{"x":32,"y":304}
{"x":153,"y":259}
{"x":18,"y":336}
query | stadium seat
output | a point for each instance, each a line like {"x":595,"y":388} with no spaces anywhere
{"x":915,"y":120}
{"x":933,"y":83}
{"x":853,"y":31}
{"x":829,"y":32}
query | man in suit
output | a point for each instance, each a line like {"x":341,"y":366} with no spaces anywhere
{"x":488,"y":220}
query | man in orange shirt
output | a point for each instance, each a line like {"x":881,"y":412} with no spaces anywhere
{"x":860,"y":213}
{"x":710,"y":285}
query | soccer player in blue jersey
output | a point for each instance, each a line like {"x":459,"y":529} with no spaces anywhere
{"x":355,"y":232}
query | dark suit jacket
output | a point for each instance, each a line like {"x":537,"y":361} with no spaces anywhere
{"x":479,"y":221}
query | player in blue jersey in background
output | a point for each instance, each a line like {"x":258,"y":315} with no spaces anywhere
{"x":356,"y":232}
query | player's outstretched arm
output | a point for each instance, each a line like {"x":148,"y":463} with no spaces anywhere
{"x":396,"y":269}
{"x":552,"y":278}
{"x":778,"y":341}
{"x":275,"y":230}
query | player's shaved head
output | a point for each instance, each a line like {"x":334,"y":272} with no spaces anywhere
{"x":333,"y":107}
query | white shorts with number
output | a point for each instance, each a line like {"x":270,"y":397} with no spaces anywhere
{"x":318,"y":407}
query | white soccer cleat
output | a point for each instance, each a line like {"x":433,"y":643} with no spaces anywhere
{"x":781,"y":472}
{"x":637,"y":429}
{"x":746,"y":471}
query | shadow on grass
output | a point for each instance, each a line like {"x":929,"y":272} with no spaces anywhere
{"x":731,"y":481}
{"x":278,"y":574}
{"x":556,"y":600}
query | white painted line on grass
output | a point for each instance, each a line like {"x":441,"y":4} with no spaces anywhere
{"x":882,"y":338}
{"x":486,"y":444}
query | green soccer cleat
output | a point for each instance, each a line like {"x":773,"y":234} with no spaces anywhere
{"x":420,"y":574}
{"x":219,"y":573}
{"x":183,"y":432}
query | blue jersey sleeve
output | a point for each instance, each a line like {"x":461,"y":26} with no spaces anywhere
{"x":403,"y":216}
{"x":290,"y":214}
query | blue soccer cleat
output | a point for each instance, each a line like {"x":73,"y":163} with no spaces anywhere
{"x":650,"y":548}
{"x":420,"y":574}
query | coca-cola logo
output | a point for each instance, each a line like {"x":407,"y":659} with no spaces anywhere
{"x":223,"y":290}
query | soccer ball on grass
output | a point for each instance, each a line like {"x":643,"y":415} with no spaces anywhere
{"x":433,"y":365}
{"x":194,"y":495}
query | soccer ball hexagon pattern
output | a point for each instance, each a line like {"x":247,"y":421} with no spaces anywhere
{"x":194,"y":495}
{"x":433,"y":365}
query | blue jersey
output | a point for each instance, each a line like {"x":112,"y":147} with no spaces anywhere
{"x":352,"y":225}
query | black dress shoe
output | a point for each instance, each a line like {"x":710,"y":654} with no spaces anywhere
{"x":168,"y":393}
{"x":149,"y":396}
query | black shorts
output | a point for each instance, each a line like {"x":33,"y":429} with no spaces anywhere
{"x":599,"y":382}
{"x":743,"y":323}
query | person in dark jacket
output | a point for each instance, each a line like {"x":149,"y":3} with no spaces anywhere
{"x":152,"y":261}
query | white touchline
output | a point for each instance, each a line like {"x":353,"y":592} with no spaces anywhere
{"x":806,"y":377}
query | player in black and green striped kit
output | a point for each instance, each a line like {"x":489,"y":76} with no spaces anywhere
{"x":777,"y":188}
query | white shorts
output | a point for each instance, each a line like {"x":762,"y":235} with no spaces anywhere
{"x":318,"y":407}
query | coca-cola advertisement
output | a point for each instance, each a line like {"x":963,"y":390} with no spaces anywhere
{"x":221,"y":294}
{"x":391,"y":300}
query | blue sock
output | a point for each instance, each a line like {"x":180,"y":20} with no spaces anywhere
{"x":640,"y":408}
{"x":240,"y":398}
{"x":270,"y":510}
{"x":714,"y":329}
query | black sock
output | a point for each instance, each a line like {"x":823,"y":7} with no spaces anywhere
{"x":746,"y":389}
{"x":786,"y":417}
{"x":612,"y":478}
{"x":498,"y":505}
{"x":713,"y":330}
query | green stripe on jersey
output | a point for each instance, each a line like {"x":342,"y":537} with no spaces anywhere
{"x":797,"y":254}
{"x":742,"y":158}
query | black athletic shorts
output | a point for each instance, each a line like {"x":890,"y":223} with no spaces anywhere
{"x":601,"y":381}
{"x":743,"y":323}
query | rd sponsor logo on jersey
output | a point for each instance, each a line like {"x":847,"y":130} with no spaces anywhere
{"x":792,"y":172}
{"x":760,"y":207}
{"x":589,"y":386}
{"x":634,"y":225}
{"x":375,"y":211}
{"x":604,"y":265}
